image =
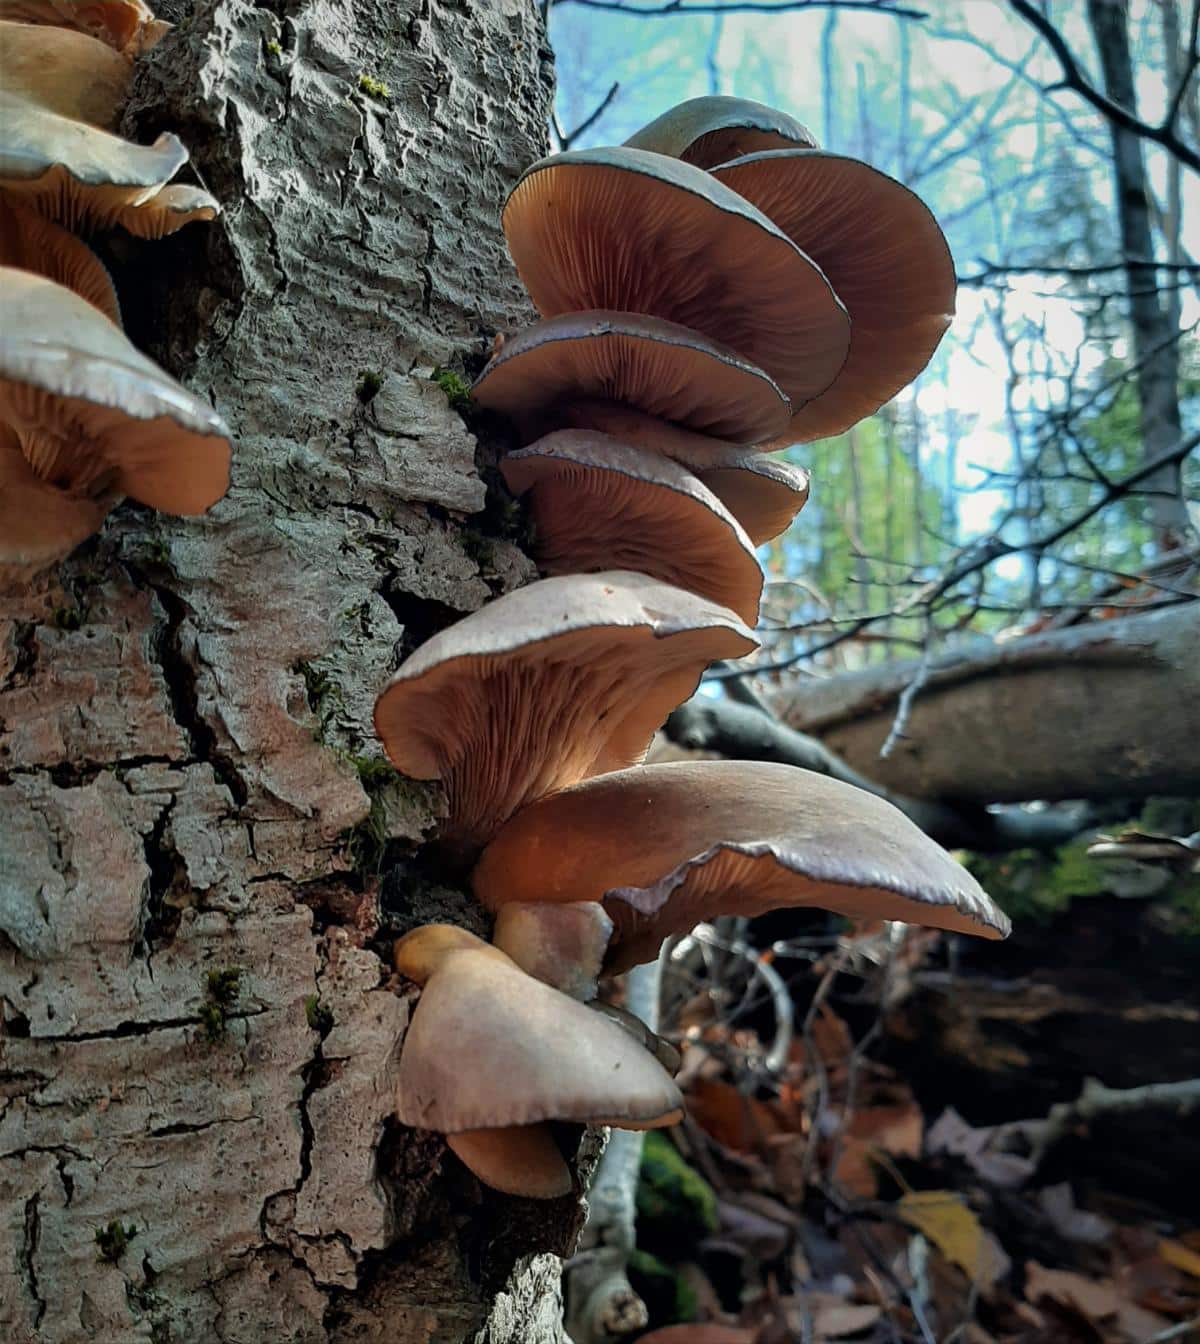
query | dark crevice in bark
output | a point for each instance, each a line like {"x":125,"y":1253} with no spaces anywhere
{"x":29,"y":1245}
{"x":168,"y":874}
{"x":179,"y":673}
{"x":125,"y":1029}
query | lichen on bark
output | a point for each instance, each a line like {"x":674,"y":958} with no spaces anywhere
{"x":172,"y":803}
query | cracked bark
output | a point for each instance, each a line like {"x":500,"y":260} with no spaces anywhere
{"x":175,"y":798}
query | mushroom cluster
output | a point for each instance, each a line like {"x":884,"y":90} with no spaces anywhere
{"x":85,"y":418}
{"x":716,"y":288}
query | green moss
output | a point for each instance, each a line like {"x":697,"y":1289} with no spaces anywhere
{"x":458,"y":392}
{"x":668,"y":1296}
{"x":374,"y":88}
{"x":274,"y":48}
{"x":220,"y":994}
{"x":671,"y":1195}
{"x":369,"y":383}
{"x":112,"y":1241}
{"x":67,"y":618}
{"x":479,"y":548}
{"x":318,"y":1015}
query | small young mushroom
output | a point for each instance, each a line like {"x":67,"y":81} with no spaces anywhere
{"x":658,"y":367}
{"x":563,"y":946}
{"x":635,"y":231}
{"x":665,"y":847}
{"x":545,"y":686}
{"x":128,"y":26}
{"x":885,"y":256}
{"x":601,"y":504}
{"x":94,"y":417}
{"x":710,"y":130}
{"x":29,"y":242}
{"x":491,"y":1055}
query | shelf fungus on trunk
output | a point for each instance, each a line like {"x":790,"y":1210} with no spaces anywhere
{"x":61,"y":95}
{"x":659,"y":367}
{"x":762,"y":493}
{"x":712,"y":129}
{"x":545,"y":686}
{"x":635,"y":231}
{"x":492,"y":1056}
{"x":598,"y":503}
{"x":884,"y":255}
{"x":665,"y":847}
{"x":94,"y":420}
{"x":128,"y":26}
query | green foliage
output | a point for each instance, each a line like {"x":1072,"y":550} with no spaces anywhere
{"x":274,"y":48}
{"x":112,"y":1241}
{"x":672,"y":1195}
{"x":67,"y":618}
{"x":1030,"y":885}
{"x":374,"y":88}
{"x":457,"y":390}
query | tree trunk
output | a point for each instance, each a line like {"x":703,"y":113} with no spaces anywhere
{"x":1155,"y":338}
{"x":1105,"y":710}
{"x":199,"y":1039}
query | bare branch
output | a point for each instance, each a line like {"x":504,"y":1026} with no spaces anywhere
{"x":567,"y":138}
{"x":747,"y":7}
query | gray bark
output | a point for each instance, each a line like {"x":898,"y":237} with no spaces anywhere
{"x":1105,"y":710}
{"x":1155,"y":337}
{"x":180,"y":713}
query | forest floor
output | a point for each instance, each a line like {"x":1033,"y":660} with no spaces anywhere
{"x":886,"y":1140}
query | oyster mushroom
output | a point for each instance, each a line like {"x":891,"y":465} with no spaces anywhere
{"x":492,"y":1055}
{"x":30,"y":242}
{"x":639,"y":232}
{"x":710,"y":130}
{"x":600,"y":504}
{"x":128,"y":26}
{"x":665,"y":847}
{"x":545,"y":686}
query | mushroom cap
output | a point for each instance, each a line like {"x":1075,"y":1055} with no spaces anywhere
{"x":30,"y":242}
{"x":884,"y":254}
{"x":706,"y":1333}
{"x":631,"y":230}
{"x":65,"y":72}
{"x":126,"y":25}
{"x":707,"y":131}
{"x":660,"y":367}
{"x":84,"y":400}
{"x":39,"y":524}
{"x":490,"y":1047}
{"x":598,"y":503}
{"x":762,"y":493}
{"x":562,"y":679}
{"x":563,"y":946}
{"x":86,"y":178}
{"x":520,"y":1160}
{"x":665,"y":847}
{"x":168,"y":210}
{"x":695,"y":451}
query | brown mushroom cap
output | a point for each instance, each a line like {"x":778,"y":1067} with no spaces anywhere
{"x":665,"y":847}
{"x":885,"y":256}
{"x":65,"y":72}
{"x":696,"y":451}
{"x":126,"y":25}
{"x":639,"y":232}
{"x":563,"y":946}
{"x":762,"y":493}
{"x":520,"y":1160}
{"x":490,"y":1047}
{"x":660,"y":367}
{"x":562,"y":679}
{"x":93,"y":413}
{"x":601,"y":504}
{"x":710,"y":130}
{"x":39,"y":524}
{"x":30,"y":242}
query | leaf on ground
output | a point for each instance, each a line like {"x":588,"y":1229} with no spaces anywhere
{"x":1058,"y":1204}
{"x":734,"y":1120}
{"x":954,"y":1229}
{"x":838,"y":1320}
{"x":1181,"y":1256}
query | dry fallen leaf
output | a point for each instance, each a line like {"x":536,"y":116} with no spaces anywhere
{"x":837,"y":1320}
{"x":942,"y":1216}
{"x":1181,"y":1256}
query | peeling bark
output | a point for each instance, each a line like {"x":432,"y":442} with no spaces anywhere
{"x":198,"y":1036}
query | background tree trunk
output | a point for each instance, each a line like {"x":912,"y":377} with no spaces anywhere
{"x":182,"y":721}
